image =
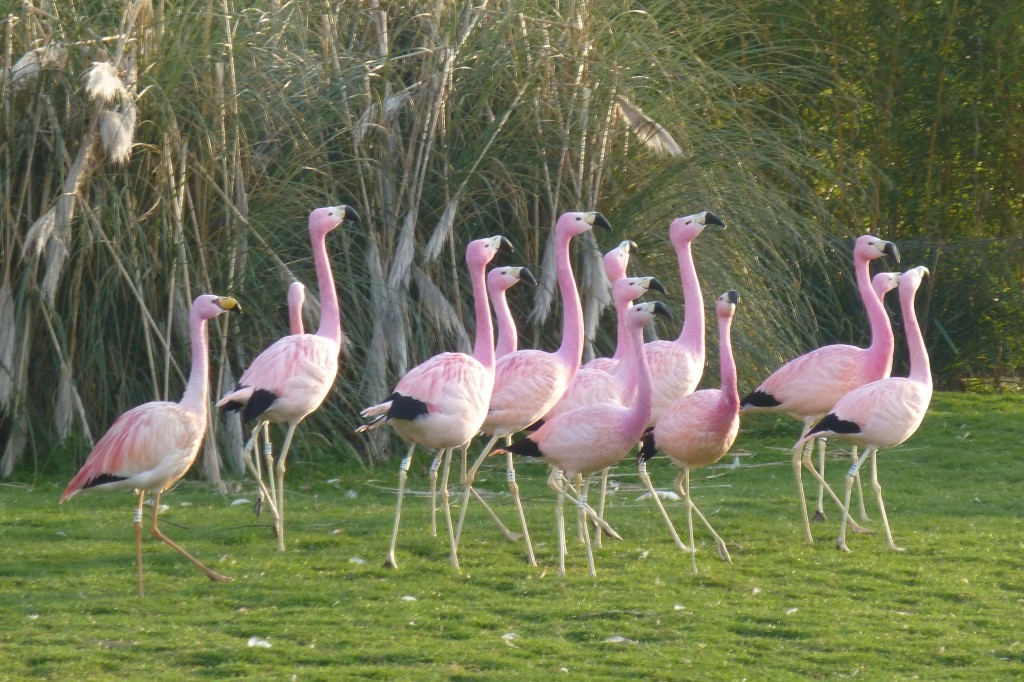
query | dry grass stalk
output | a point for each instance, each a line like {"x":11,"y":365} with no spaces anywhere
{"x":651,"y":133}
{"x":32,"y":63}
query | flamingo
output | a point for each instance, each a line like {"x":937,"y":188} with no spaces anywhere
{"x":696,"y":430}
{"x":149,"y":447}
{"x":677,"y":365}
{"x":808,"y":386}
{"x":500,"y":280}
{"x":442,"y":402}
{"x":883,"y":413}
{"x":529,"y":382}
{"x":290,"y":379}
{"x":594,"y":437}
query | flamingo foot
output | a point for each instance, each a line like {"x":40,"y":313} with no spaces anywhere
{"x":218,"y":578}
{"x":859,"y":529}
{"x":819,"y":516}
{"x":390,"y":561}
{"x":841,"y":546}
{"x":897,"y":549}
{"x":257,"y":506}
{"x":723,"y":552}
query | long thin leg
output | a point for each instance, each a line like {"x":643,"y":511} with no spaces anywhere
{"x":571,"y":493}
{"x":723,"y":551}
{"x":881,"y":505}
{"x":434,"y":466}
{"x":598,"y":533}
{"x":268,"y":457}
{"x":854,"y":526}
{"x":581,"y":520}
{"x":860,"y":488}
{"x":581,"y":507}
{"x":138,"y":537}
{"x":468,"y":484}
{"x":251,"y":459}
{"x":403,"y":474}
{"x":854,"y":468}
{"x":560,"y":522}
{"x":513,"y":488}
{"x":819,"y":510}
{"x":211,"y":574}
{"x":799,"y":454}
{"x":279,"y":518}
{"x":645,"y":478}
{"x":447,"y":507}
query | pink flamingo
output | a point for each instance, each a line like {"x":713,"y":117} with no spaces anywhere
{"x":808,"y":387}
{"x":697,"y":430}
{"x":677,"y":365}
{"x":499,"y":281}
{"x":594,"y":437}
{"x":291,"y":378}
{"x":883,"y":413}
{"x":615,"y":263}
{"x":529,"y":382}
{"x":442,"y":402}
{"x":149,"y":447}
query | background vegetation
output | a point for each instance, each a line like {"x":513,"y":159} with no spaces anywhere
{"x":800,"y":124}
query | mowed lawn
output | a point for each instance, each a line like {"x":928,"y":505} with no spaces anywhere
{"x":950,"y":607}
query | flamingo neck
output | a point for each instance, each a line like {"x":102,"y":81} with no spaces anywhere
{"x":879,"y":353}
{"x":730,"y":396}
{"x":692,"y":334}
{"x":507,"y":341}
{"x":919,"y":368}
{"x":330,"y":315}
{"x":196,"y":394}
{"x":483,"y":345}
{"x":638,"y":373}
{"x":621,"y":329}
{"x":571,"y":350}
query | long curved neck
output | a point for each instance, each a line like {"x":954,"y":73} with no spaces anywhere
{"x":692,"y":334}
{"x":196,"y":394}
{"x":483,"y":345}
{"x":882,"y":340}
{"x":919,"y":368}
{"x":730,"y":396}
{"x":330,"y":315}
{"x":621,"y":329}
{"x":571,"y":350}
{"x":507,"y":341}
{"x":640,"y":411}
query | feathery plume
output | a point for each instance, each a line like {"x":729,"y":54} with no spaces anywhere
{"x":117,"y":130}
{"x":652,"y":134}
{"x":49,"y":56}
{"x":39,"y":234}
{"x":102,"y":83}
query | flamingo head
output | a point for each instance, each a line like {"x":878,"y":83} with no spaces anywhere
{"x":578,"y":222}
{"x":207,"y":306}
{"x":500,"y":279}
{"x":884,"y":282}
{"x":480,"y":252}
{"x":869,"y":247}
{"x":684,"y":230}
{"x":727,"y":303}
{"x":911,"y":279}
{"x":323,"y":220}
{"x":642,"y":313}
{"x":628,"y":289}
{"x":616,"y":260}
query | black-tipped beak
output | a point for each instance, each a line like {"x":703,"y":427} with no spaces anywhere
{"x":656,"y":285}
{"x":229,"y":303}
{"x":349,"y":213}
{"x":711,"y":219}
{"x":631,"y":247}
{"x":601,"y":221}
{"x":891,"y":250}
{"x":661,"y":309}
{"x":527,"y":276}
{"x":732,"y":296}
{"x":506,"y":243}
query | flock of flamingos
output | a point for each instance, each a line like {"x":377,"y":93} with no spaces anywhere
{"x":579,"y":419}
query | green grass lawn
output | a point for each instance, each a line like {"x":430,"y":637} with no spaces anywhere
{"x":951,"y":607}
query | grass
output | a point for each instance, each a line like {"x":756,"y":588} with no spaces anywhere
{"x":949,"y":608}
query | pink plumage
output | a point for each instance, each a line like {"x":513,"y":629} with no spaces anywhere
{"x":290,"y":379}
{"x":677,"y":365}
{"x":296,"y":299}
{"x":499,"y":281}
{"x":595,"y":437}
{"x":528,"y":382}
{"x":808,"y":386}
{"x":442,"y":402}
{"x":884,"y":413}
{"x":151,"y":446}
{"x":696,"y":430}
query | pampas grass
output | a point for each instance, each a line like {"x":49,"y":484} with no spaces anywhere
{"x":102,"y":83}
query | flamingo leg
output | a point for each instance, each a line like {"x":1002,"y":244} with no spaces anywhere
{"x":403,"y":475}
{"x":581,"y":506}
{"x":581,"y":520}
{"x":646,"y":479}
{"x":434,"y":466}
{"x":560,"y":520}
{"x":211,"y":574}
{"x":468,"y":479}
{"x":683,"y":479}
{"x":138,"y":537}
{"x":513,"y":488}
{"x":800,"y":454}
{"x":819,"y":510}
{"x":854,"y":526}
{"x":447,"y":508}
{"x":268,"y":459}
{"x":598,"y":533}
{"x":860,"y":488}
{"x":280,"y":484}
{"x":877,"y":487}
{"x":841,"y":541}
{"x":251,"y":459}
{"x":723,"y":551}
{"x":571,"y":493}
